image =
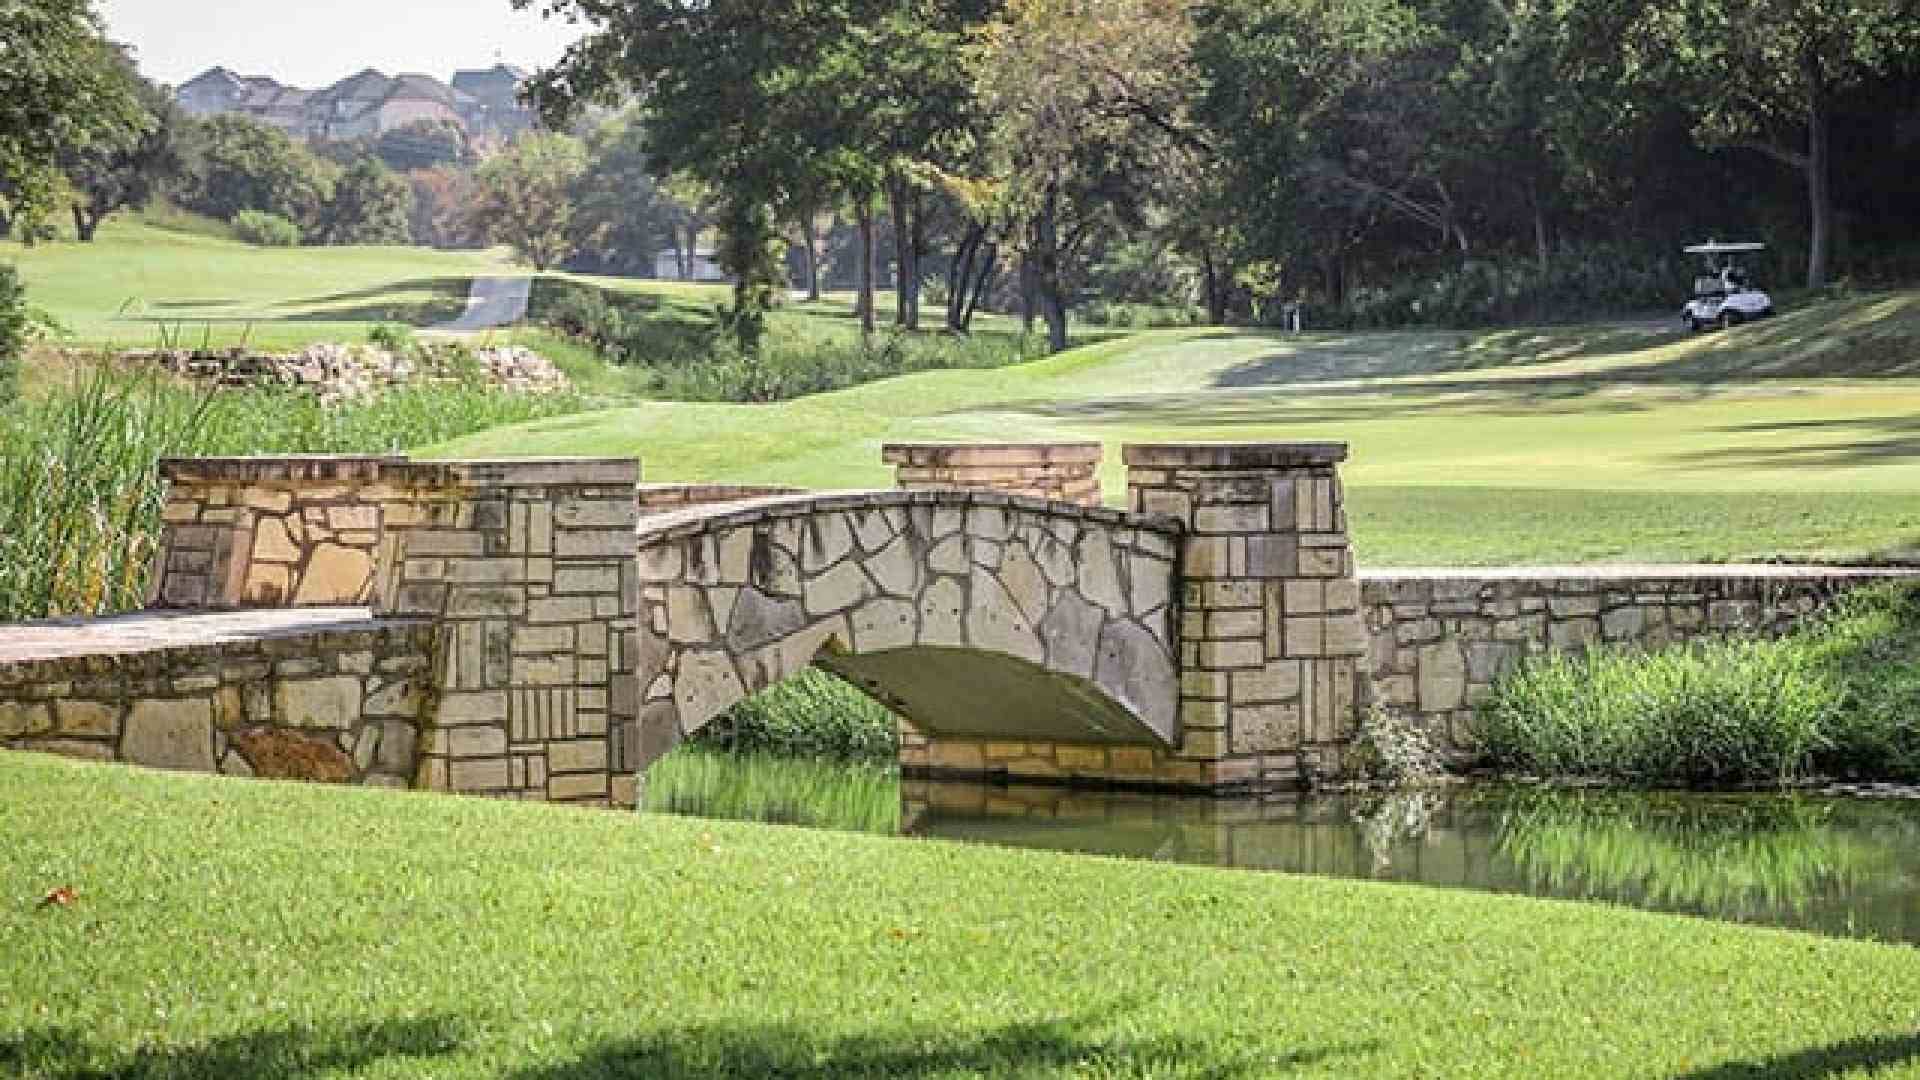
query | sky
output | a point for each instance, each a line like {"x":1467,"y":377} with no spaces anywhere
{"x":312,"y":43}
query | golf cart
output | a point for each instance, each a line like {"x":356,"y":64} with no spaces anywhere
{"x":1723,"y":297}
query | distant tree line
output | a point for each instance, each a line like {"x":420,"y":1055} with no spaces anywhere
{"x":1450,"y":160}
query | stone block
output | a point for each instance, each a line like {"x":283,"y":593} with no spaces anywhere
{"x":577,"y":786}
{"x":327,"y":703}
{"x":1442,"y":677}
{"x":477,"y":775}
{"x":170,"y":734}
{"x":336,"y":575}
{"x":577,"y":755}
{"x":1232,"y":654}
{"x":87,"y":718}
{"x":22,"y":718}
{"x":1080,"y":758}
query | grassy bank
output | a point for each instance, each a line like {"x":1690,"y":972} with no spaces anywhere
{"x":235,"y":928}
{"x":1838,"y":698}
{"x":780,"y":789}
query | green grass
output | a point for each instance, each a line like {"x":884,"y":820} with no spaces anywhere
{"x":147,"y":278}
{"x":1837,"y":697}
{"x":776,"y":788}
{"x":1621,"y":442}
{"x":226,"y":928}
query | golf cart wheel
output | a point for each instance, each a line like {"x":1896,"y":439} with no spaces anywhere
{"x":1731,"y":319}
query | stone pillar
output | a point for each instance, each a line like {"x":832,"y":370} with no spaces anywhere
{"x":1063,"y":472}
{"x":271,"y":532}
{"x":528,"y":568}
{"x":1270,"y":635}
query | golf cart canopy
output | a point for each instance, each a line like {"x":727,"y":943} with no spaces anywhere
{"x":1714,"y":248}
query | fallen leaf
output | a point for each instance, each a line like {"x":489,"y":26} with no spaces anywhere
{"x":64,"y":896}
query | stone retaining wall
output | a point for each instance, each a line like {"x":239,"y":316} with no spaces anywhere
{"x":1437,"y":639}
{"x":333,"y":699}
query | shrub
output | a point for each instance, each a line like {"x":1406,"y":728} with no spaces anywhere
{"x":265,"y":230}
{"x":14,"y":324}
{"x":1390,"y":749}
{"x":393,"y":337}
{"x":1716,"y":712}
{"x":1838,"y":697}
{"x":813,"y":714}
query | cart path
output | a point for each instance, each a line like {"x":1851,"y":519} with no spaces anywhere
{"x":491,"y":301}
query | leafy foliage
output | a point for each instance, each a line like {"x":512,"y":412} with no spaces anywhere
{"x":370,"y":205}
{"x":265,"y":230}
{"x":236,"y":163}
{"x":524,"y":196}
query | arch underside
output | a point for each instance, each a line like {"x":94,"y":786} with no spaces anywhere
{"x":971,"y":694}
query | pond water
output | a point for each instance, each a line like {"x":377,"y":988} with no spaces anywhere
{"x":1845,"y":867}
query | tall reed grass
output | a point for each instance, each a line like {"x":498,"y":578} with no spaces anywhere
{"x":709,"y":782}
{"x":1840,"y":697}
{"x":80,"y":494}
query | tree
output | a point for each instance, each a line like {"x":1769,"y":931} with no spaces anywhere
{"x":1088,"y":99}
{"x":424,"y":144}
{"x":623,"y":223}
{"x":125,"y":170}
{"x":1767,"y":75}
{"x":370,"y":205}
{"x":443,"y":205}
{"x":525,"y":196}
{"x":236,"y":163}
{"x":61,"y":88}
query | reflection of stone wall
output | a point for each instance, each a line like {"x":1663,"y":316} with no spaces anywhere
{"x":1439,"y":638}
{"x":240,"y":693}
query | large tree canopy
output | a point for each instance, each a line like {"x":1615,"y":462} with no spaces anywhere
{"x":61,"y":88}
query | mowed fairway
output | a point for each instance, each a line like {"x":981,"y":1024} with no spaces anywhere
{"x":147,"y":278}
{"x":226,"y":928}
{"x":1796,"y":437}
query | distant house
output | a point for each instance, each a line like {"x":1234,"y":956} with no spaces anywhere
{"x":490,"y":101}
{"x":484,"y":103}
{"x":212,"y":92}
{"x":666,"y":267}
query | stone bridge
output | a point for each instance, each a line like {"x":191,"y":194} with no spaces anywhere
{"x":548,"y":628}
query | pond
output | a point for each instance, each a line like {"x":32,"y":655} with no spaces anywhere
{"x":1845,"y":867}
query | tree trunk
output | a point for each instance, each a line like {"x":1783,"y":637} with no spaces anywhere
{"x":84,"y":223}
{"x":906,"y":268}
{"x":1053,"y":301}
{"x":1819,"y":183}
{"x":980,"y":286}
{"x":810,"y":238}
{"x":863,"y":301}
{"x":960,"y":275}
{"x":1215,"y":287}
{"x":1029,"y":294}
{"x":1539,"y":227}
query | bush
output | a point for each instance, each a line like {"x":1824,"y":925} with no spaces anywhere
{"x":813,"y":714}
{"x":791,"y":364}
{"x":1839,"y":697}
{"x":14,"y":324}
{"x":393,"y":337}
{"x":265,"y":230}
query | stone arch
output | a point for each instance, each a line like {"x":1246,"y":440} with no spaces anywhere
{"x":971,"y":613}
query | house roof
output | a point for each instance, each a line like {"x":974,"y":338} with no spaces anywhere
{"x":216,"y":76}
{"x":417,"y":87}
{"x":485,"y":82}
{"x":366,"y":85}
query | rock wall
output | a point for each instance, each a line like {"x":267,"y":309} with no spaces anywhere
{"x":1063,"y":472}
{"x":1438,"y":639}
{"x":340,"y":698}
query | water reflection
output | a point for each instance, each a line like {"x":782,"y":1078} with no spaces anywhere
{"x":1835,"y":866}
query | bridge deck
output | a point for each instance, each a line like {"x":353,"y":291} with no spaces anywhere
{"x":702,"y":517}
{"x":157,"y":631}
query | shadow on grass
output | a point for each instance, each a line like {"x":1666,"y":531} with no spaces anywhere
{"x":452,"y":286}
{"x":709,"y":1053}
{"x":63,"y":1054}
{"x":1834,"y":1059}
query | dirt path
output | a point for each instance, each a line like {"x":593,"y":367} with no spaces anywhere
{"x":492,"y":301}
